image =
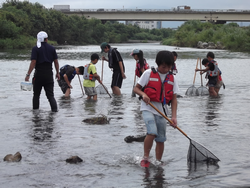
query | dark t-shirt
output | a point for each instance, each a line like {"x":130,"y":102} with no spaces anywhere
{"x":116,"y":56}
{"x":44,"y":56}
{"x":70,"y":72}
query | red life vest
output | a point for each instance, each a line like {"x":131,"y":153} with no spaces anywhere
{"x":138,"y":68}
{"x":158,"y":91}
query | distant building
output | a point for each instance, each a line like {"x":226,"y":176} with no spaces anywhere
{"x":62,"y":7}
{"x":146,"y":24}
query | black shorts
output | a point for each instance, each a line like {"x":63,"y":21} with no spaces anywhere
{"x":117,"y":79}
{"x":212,"y":81}
{"x":63,"y":85}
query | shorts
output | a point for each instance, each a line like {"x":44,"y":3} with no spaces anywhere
{"x":117,"y":79}
{"x":63,"y":85}
{"x":156,"y":125}
{"x":90,"y":91}
{"x":219,"y":84}
{"x":212,"y":81}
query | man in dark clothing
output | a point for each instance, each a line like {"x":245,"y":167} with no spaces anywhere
{"x":116,"y":63}
{"x":67,"y":73}
{"x":42,"y":57}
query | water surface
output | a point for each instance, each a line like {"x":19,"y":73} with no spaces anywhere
{"x":47,"y":139}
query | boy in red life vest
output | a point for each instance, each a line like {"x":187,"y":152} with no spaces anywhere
{"x":160,"y":88}
{"x":141,"y":63}
{"x":90,"y":76}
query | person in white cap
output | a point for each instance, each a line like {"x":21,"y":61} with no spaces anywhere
{"x":42,"y":57}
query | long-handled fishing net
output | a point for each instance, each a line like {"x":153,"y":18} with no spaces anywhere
{"x":133,"y":93}
{"x":101,"y":89}
{"x":192,"y":89}
{"x":202,"y":90}
{"x":80,"y":84}
{"x":197,"y":152}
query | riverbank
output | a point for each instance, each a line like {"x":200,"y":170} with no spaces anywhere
{"x":143,"y":41}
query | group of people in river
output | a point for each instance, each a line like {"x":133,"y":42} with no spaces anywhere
{"x":156,"y":86}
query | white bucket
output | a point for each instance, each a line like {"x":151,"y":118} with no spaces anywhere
{"x":26,"y":86}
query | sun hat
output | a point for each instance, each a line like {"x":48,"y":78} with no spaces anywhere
{"x":103,"y":45}
{"x":40,"y":38}
{"x":135,"y":51}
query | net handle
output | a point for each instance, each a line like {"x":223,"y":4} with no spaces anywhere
{"x":80,"y":84}
{"x":195,"y":71}
{"x":168,"y":120}
{"x":102,"y":71}
{"x":106,"y":90}
{"x":201,"y":74}
{"x":135,"y":76}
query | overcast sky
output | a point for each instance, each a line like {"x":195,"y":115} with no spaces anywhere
{"x":147,"y":4}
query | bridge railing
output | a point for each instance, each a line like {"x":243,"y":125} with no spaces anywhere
{"x":156,"y":10}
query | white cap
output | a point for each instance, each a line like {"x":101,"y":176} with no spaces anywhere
{"x":40,"y":38}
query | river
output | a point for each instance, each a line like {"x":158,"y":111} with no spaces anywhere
{"x":45,"y":139}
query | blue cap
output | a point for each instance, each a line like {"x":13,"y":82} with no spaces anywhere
{"x":135,"y":51}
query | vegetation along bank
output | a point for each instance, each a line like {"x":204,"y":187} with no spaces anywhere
{"x":20,"y":21}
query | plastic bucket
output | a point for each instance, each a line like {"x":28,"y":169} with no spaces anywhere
{"x":26,"y":86}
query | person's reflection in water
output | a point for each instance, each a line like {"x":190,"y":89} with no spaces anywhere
{"x":213,"y":105}
{"x":117,"y":106}
{"x":65,"y":102}
{"x":157,"y":181}
{"x":43,"y":125}
{"x":90,"y":106}
{"x":197,"y":170}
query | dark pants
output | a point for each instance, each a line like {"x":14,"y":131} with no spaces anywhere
{"x":47,"y":82}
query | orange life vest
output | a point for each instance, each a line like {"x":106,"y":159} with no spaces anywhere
{"x":158,"y":91}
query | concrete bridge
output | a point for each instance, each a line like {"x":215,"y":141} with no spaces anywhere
{"x":213,"y":15}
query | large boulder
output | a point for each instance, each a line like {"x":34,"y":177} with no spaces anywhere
{"x":211,"y":45}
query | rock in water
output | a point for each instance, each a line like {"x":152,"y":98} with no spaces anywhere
{"x":102,"y":119}
{"x":13,"y":158}
{"x":74,"y":160}
{"x":138,"y":138}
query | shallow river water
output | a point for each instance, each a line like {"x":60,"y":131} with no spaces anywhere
{"x":45,"y":139}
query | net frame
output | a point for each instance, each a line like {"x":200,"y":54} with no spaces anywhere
{"x":198,"y":153}
{"x":202,"y":90}
{"x":100,"y":89}
{"x":191,"y":91}
{"x":207,"y":155}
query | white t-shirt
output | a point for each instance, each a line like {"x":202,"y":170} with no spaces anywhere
{"x":143,"y":81}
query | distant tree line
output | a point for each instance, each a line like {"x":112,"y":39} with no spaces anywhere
{"x":20,"y":21}
{"x":231,"y":36}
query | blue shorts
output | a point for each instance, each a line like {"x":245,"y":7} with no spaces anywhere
{"x":156,"y":125}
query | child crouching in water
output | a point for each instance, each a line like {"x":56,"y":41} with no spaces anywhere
{"x":90,"y":76}
{"x":151,"y":82}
